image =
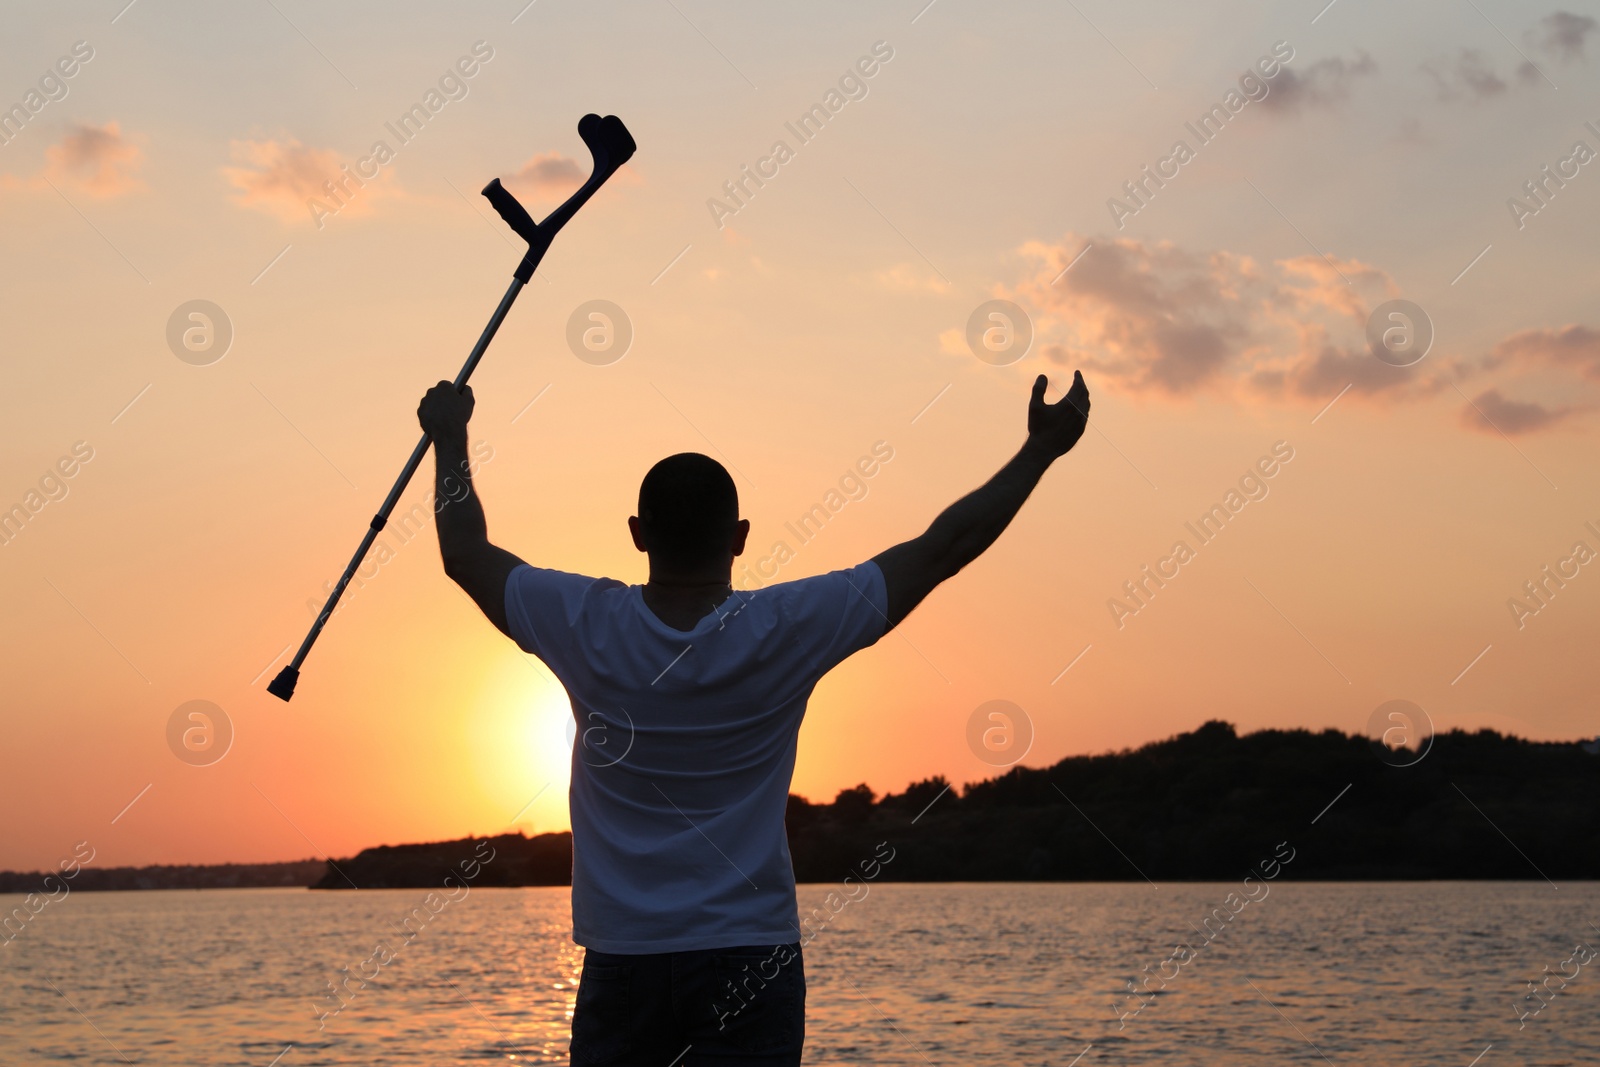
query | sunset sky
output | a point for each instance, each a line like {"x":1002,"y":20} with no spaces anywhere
{"x":788,"y":333}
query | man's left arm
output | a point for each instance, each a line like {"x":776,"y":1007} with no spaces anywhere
{"x":470,"y":560}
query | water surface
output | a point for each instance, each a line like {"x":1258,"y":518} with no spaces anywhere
{"x":1373,"y":973}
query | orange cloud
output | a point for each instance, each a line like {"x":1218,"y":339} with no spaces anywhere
{"x":1156,"y":319}
{"x":906,"y":278}
{"x":1493,"y":413}
{"x":97,"y":159}
{"x":549,"y":175}
{"x":552,"y":176}
{"x":1573,"y":347}
{"x":1335,"y":285}
{"x":1151,"y":317}
{"x":280,"y":177}
{"x":1323,"y":303}
{"x":296,"y":183}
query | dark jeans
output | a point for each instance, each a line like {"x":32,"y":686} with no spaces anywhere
{"x":744,"y":1005}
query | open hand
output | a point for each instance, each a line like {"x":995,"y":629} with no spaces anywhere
{"x":1055,"y":428}
{"x":444,"y":412}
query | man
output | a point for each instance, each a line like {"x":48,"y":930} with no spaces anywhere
{"x":688,"y":697}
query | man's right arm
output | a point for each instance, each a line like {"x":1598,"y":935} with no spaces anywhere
{"x":470,"y":560}
{"x":964,"y":530}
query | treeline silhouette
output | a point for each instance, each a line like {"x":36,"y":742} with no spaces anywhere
{"x":515,"y":860}
{"x":1206,"y":805}
{"x":90,"y":879}
{"x":1201,"y":806}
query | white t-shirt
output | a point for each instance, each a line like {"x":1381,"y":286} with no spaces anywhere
{"x":686,"y":747}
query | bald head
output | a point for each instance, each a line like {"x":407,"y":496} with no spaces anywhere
{"x":688,"y":511}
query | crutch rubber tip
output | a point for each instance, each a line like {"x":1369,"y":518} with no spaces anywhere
{"x":282,"y":686}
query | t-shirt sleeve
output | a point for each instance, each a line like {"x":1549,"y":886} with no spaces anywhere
{"x":542,"y":608}
{"x":839,"y":613}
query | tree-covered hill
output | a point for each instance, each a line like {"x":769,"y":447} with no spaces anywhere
{"x":1209,"y":804}
{"x":1204,"y":805}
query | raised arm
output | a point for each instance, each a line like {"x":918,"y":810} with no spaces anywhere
{"x":470,"y":560}
{"x":966,"y":528}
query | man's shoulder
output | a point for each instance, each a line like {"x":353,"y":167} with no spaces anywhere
{"x":556,"y":574}
{"x":529,"y":580}
{"x":826,"y":586}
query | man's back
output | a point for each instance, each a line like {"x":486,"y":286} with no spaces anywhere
{"x":685,"y":747}
{"x":682,"y":888}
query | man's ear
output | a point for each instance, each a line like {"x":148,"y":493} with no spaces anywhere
{"x":638,"y":533}
{"x":740,"y":532}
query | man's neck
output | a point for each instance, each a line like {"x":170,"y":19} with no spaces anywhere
{"x":682,"y":599}
{"x":669,"y":584}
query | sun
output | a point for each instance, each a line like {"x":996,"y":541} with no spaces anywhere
{"x":520,"y":745}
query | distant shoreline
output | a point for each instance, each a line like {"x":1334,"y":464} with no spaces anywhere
{"x":1200,"y":807}
{"x":291,"y":874}
{"x":882,"y":881}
